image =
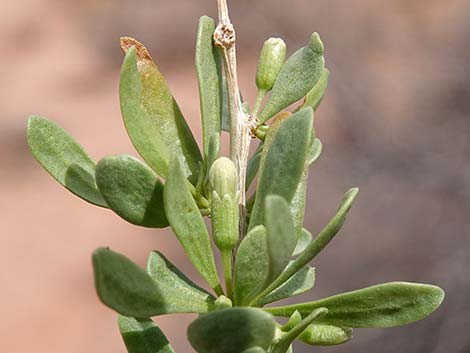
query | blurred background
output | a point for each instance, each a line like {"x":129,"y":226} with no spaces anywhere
{"x":395,"y":122}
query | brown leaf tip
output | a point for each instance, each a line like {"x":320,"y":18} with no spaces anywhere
{"x":140,"y":50}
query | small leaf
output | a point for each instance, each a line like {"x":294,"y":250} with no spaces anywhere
{"x":325,"y":335}
{"x":64,"y":159}
{"x":384,"y":305}
{"x":286,"y":340}
{"x":284,"y":161}
{"x":303,"y":241}
{"x":315,"y":96}
{"x":251,"y":267}
{"x":180,"y":291}
{"x":125,"y":287}
{"x":299,"y":283}
{"x":231,"y":331}
{"x":152,"y":117}
{"x":316,"y":246}
{"x":294,"y":319}
{"x":209,"y":74}
{"x":253,"y":166}
{"x":143,"y":336}
{"x":188,"y":224}
{"x":132,"y":190}
{"x":254,"y":350}
{"x":281,"y":235}
{"x":297,"y":205}
{"x":225,"y":118}
{"x":314,"y":151}
{"x":297,"y":77}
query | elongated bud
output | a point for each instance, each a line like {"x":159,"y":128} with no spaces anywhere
{"x":271,"y":59}
{"x":223,"y":177}
{"x":224,"y":203}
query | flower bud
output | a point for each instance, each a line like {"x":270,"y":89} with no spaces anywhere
{"x":223,"y":177}
{"x":270,"y":62}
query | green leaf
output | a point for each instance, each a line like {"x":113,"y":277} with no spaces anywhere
{"x":299,"y":283}
{"x":179,"y":290}
{"x":251,"y":267}
{"x":126,"y":288}
{"x":281,"y":235}
{"x":297,"y":205}
{"x":384,"y":305}
{"x":316,"y":246}
{"x":253,"y":166}
{"x":231,"y":331}
{"x":225,"y":118}
{"x":314,"y":151}
{"x":325,"y":335}
{"x":63,"y":158}
{"x":284,"y":161}
{"x":286,"y":340}
{"x":303,"y":241}
{"x":188,"y":224}
{"x":254,"y":350}
{"x":209,"y":75}
{"x":151,"y":115}
{"x":297,"y":77}
{"x":315,"y":96}
{"x":143,"y":336}
{"x":132,"y":190}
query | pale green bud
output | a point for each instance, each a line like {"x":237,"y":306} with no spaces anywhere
{"x":223,"y":177}
{"x":271,"y":59}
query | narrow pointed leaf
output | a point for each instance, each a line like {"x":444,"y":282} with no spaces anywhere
{"x":299,"y":283}
{"x":282,"y":346}
{"x":209,"y":75}
{"x":281,"y":235}
{"x":181,"y":291}
{"x":151,"y":115}
{"x":303,"y":241}
{"x":315,"y":96}
{"x":251,"y":267}
{"x":325,"y":335}
{"x":316,"y":246}
{"x":384,"y":305}
{"x":253,"y":166}
{"x":143,"y":336}
{"x":132,"y":190}
{"x":225,"y":118}
{"x":232,"y":331}
{"x":298,"y":76}
{"x":188,"y":224}
{"x":64,"y":159}
{"x":284,"y":162}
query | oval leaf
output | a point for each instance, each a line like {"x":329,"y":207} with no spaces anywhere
{"x":281,"y":235}
{"x":325,"y":335}
{"x":64,"y":159}
{"x":284,"y":161}
{"x":151,"y":115}
{"x":251,"y":267}
{"x":209,"y":75}
{"x":132,"y":190}
{"x":232,"y":330}
{"x":143,"y":336}
{"x":384,"y":305}
{"x":188,"y":224}
{"x":297,"y":77}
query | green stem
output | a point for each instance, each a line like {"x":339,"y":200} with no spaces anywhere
{"x":259,"y":100}
{"x":227,"y":264}
{"x":201,"y":201}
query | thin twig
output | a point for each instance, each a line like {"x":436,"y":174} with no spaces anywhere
{"x":241,"y":124}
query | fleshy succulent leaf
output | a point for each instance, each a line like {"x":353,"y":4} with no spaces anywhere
{"x":315,"y":96}
{"x":209,"y":74}
{"x":304,"y":239}
{"x":283,"y":163}
{"x":326,"y":335}
{"x":232,"y":331}
{"x":187,"y":223}
{"x":132,"y":190}
{"x":384,"y":305}
{"x":143,"y":336}
{"x":151,"y":115}
{"x":64,"y":159}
